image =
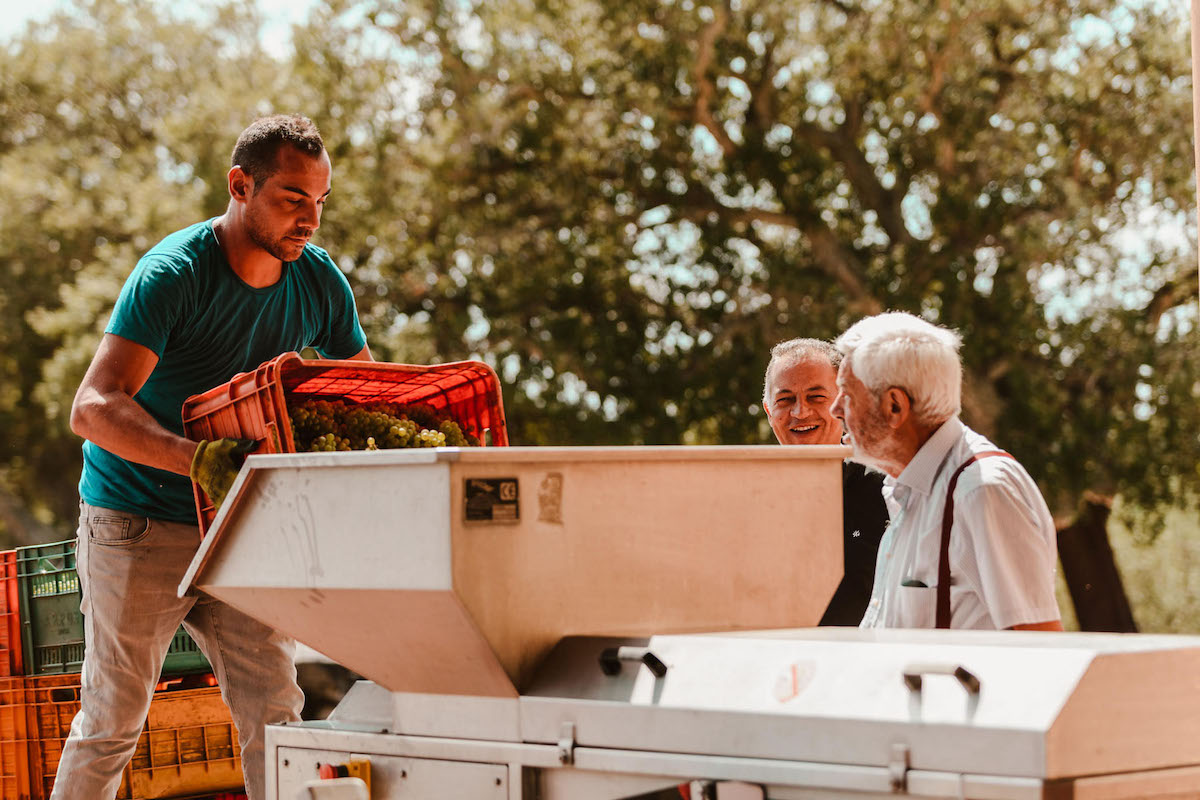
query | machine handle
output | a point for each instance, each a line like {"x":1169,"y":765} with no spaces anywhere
{"x":611,"y":658}
{"x":913,"y":673}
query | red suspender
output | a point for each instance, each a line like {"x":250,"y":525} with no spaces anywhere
{"x":943,"y":579}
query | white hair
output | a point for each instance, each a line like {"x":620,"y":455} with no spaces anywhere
{"x":899,"y":350}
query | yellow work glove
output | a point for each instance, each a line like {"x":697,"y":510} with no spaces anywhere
{"x":216,"y":464}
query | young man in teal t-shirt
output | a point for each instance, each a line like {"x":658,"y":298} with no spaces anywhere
{"x":207,"y":302}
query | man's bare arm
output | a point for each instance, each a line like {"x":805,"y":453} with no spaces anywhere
{"x":1053,"y":625}
{"x":363,"y":355}
{"x":105,"y":413}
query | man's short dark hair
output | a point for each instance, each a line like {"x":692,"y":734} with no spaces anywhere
{"x":258,"y":145}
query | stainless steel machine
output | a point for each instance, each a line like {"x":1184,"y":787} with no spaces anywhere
{"x":635,"y":623}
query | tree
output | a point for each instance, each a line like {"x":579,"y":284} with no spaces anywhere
{"x":115,"y":127}
{"x":625,"y":206}
{"x":622,"y":206}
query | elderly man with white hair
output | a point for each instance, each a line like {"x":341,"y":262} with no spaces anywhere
{"x":971,"y":543}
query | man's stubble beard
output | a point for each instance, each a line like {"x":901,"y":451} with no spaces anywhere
{"x":257,"y":234}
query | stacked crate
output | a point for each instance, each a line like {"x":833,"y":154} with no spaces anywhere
{"x":188,"y":746}
{"x":51,"y":625}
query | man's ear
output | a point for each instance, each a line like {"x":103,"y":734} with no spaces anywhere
{"x":241,"y":185}
{"x":895,"y":407}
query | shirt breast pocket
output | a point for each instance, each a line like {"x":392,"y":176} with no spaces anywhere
{"x":916,"y":607}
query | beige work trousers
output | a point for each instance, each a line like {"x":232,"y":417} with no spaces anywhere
{"x":129,"y":571}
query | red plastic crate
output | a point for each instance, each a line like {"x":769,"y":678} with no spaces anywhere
{"x":11,"y":662}
{"x":29,"y":706}
{"x":18,"y":780}
{"x":254,"y":405}
{"x":51,"y":702}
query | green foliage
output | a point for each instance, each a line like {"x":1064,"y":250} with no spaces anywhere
{"x":115,"y":126}
{"x":1162,"y":581}
{"x":623,"y":206}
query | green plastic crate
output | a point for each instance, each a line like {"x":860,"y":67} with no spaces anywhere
{"x":52,"y":625}
{"x":184,"y":656}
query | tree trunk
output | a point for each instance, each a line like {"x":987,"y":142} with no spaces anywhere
{"x":1090,"y":571}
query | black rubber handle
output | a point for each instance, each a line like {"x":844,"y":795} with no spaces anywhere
{"x":611,"y":658}
{"x":912,"y":676}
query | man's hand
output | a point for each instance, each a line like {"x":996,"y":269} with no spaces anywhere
{"x":216,"y":464}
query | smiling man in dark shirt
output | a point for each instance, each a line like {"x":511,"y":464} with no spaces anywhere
{"x":798,"y":392}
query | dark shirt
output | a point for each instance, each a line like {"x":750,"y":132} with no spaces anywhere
{"x":864,"y":518}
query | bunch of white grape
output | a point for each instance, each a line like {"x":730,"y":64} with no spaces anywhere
{"x":330,"y":425}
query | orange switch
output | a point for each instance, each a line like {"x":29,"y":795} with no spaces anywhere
{"x":351,"y":769}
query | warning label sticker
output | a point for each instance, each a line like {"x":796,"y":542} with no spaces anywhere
{"x":492,"y":500}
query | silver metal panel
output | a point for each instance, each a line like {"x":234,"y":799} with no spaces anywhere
{"x":367,"y":706}
{"x":680,"y":767}
{"x":582,"y":784}
{"x":327,"y":736}
{"x":350,"y":553}
{"x":458,"y":716}
{"x":835,"y":779}
{"x":840,"y":698}
{"x":962,"y":787}
{"x":840,"y":702}
{"x":838,"y":742}
{"x":397,"y":777}
{"x":292,"y":504}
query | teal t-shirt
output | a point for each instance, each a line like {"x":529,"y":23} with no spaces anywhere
{"x":185,"y":302}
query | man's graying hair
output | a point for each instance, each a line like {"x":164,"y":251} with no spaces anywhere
{"x":906,"y":352}
{"x":258,"y":145}
{"x":785,"y":354}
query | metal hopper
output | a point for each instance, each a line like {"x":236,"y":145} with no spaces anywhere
{"x":455,"y":571}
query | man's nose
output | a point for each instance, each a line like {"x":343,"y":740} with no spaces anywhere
{"x":310,"y":216}
{"x":836,"y":408}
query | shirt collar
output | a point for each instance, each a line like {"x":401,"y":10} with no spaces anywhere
{"x":921,"y":473}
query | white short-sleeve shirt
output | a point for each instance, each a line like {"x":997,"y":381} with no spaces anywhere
{"x":1003,"y":544}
